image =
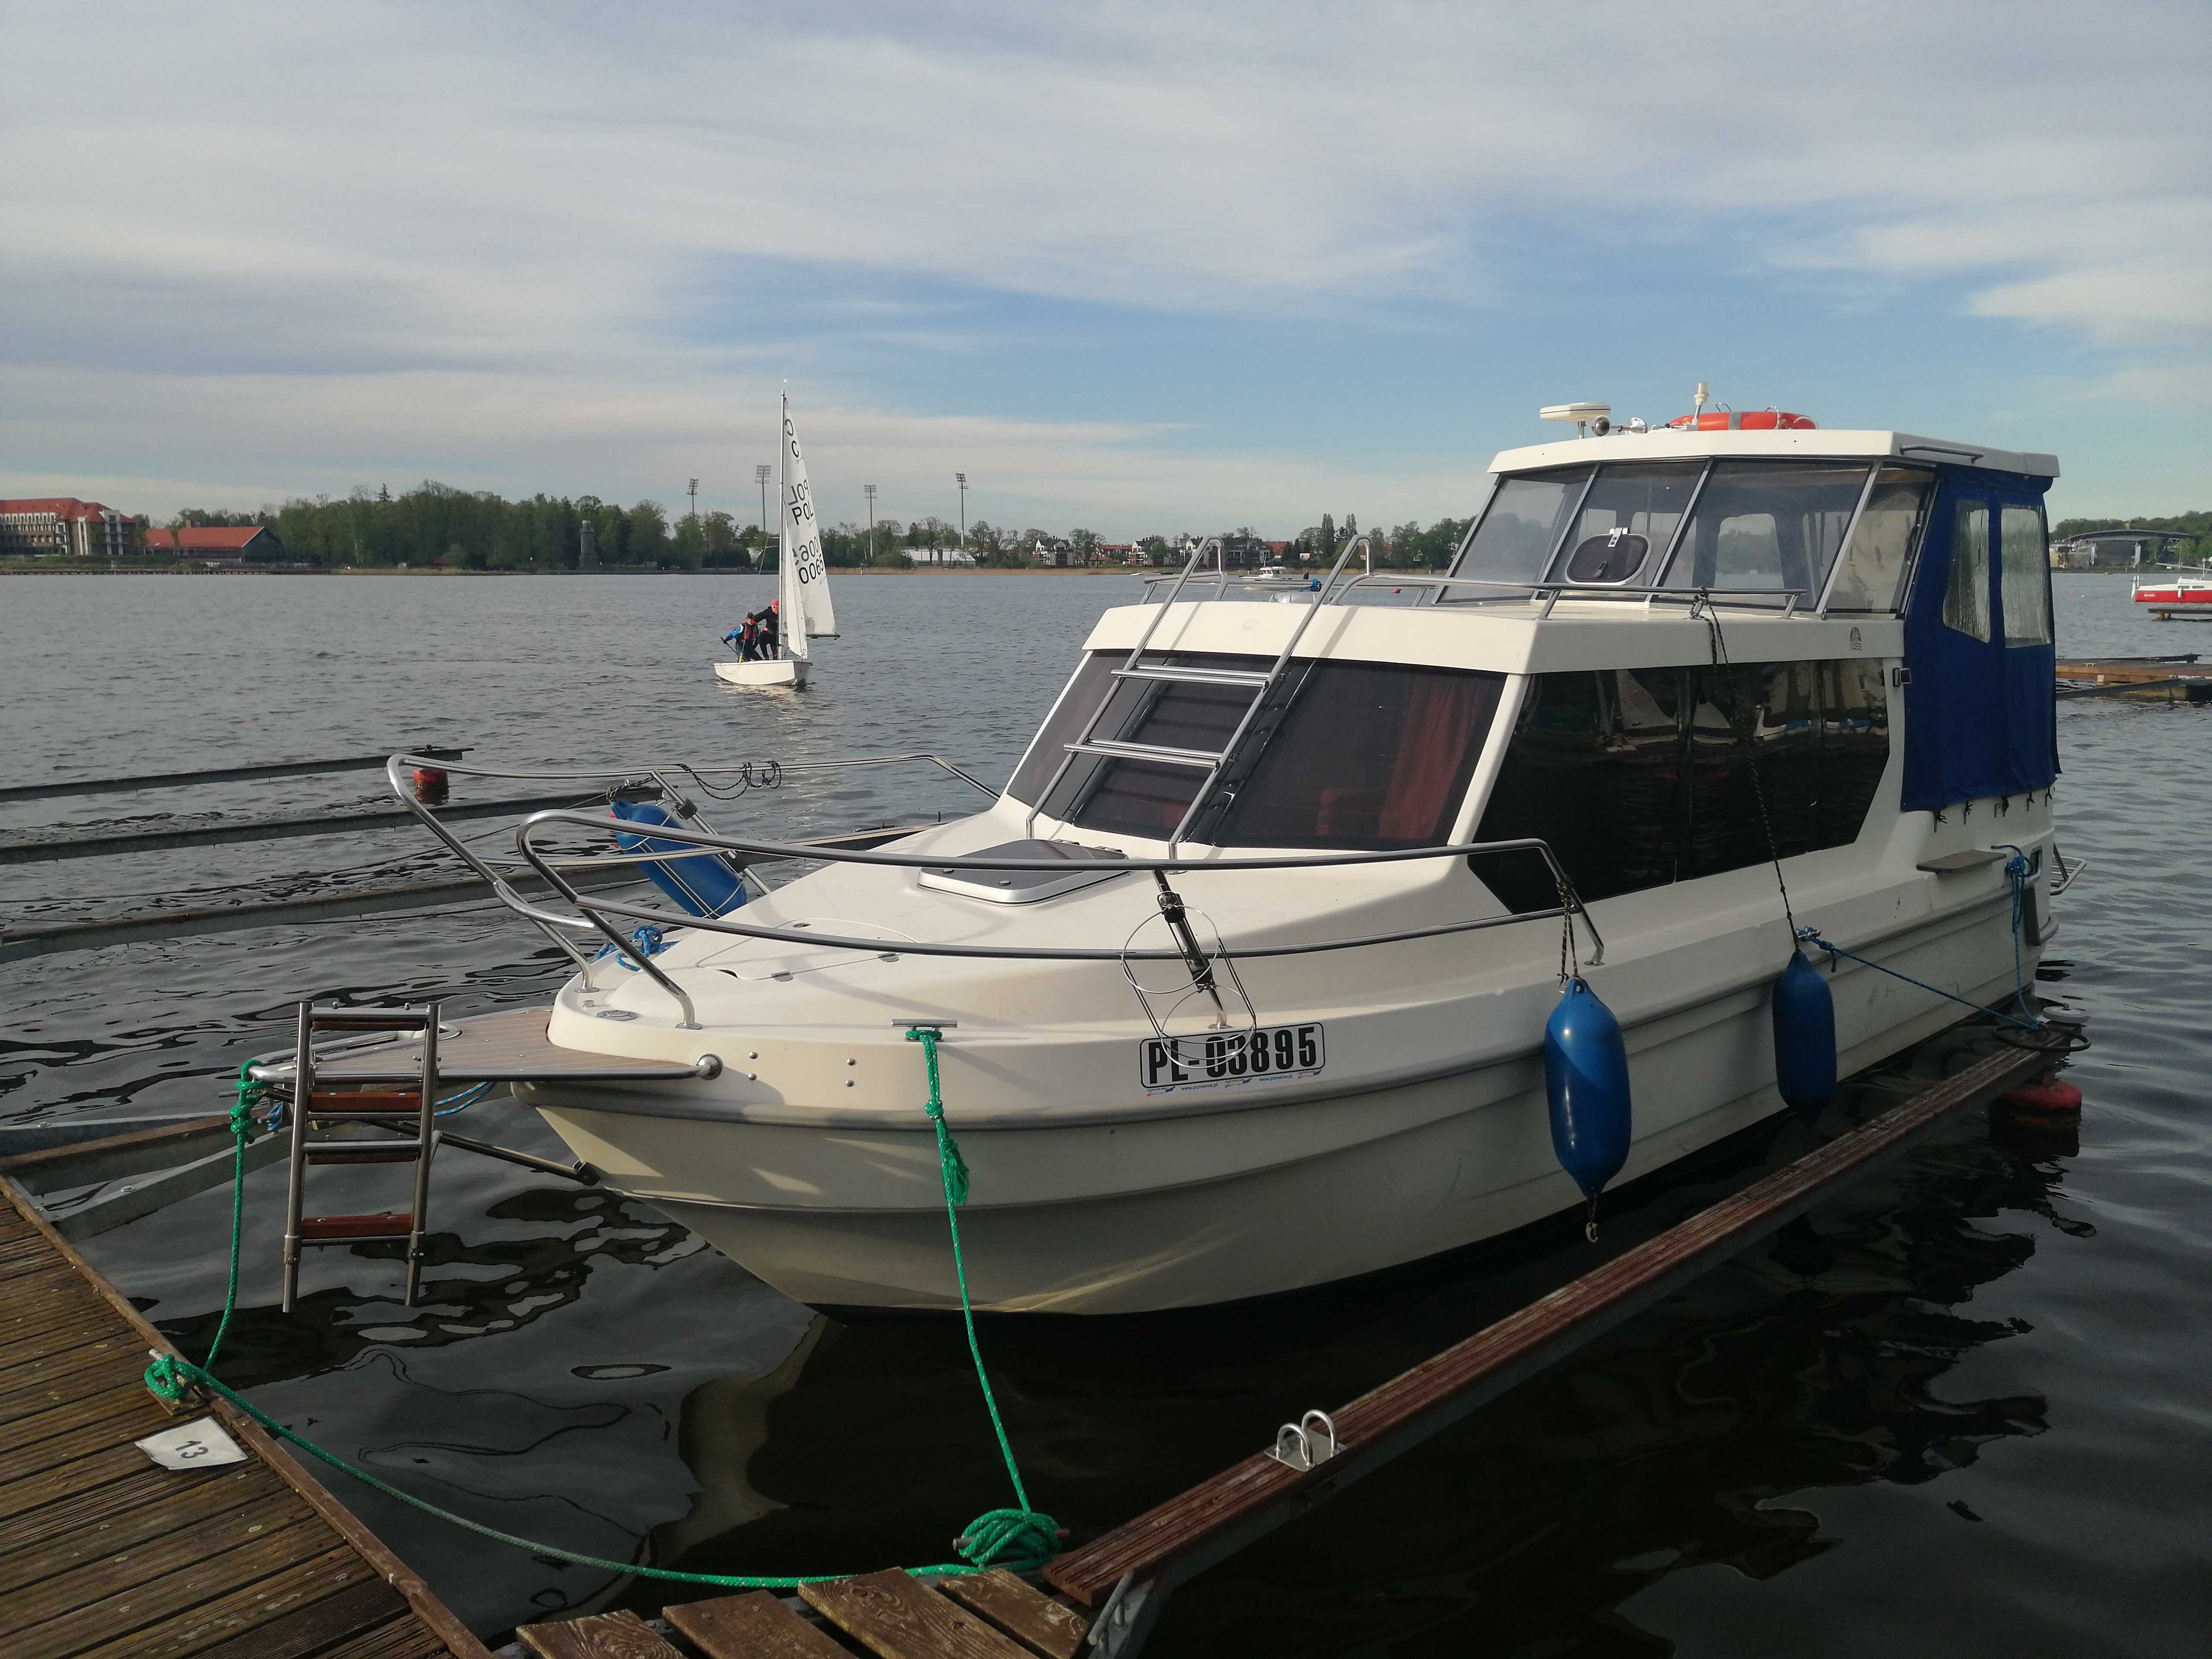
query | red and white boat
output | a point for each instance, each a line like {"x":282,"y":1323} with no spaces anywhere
{"x":2172,"y":593}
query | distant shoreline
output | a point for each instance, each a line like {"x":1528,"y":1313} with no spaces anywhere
{"x":841,"y":571}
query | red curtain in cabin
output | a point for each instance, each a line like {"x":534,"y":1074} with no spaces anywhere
{"x":1432,"y":743}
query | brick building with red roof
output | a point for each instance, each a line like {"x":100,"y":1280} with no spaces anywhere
{"x":62,"y":524}
{"x":216,"y":543}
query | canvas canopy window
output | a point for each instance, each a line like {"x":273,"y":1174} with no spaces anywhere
{"x":1980,"y":706}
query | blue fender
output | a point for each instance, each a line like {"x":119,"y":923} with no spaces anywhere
{"x":1586,"y":1087}
{"x":1804,"y":1039}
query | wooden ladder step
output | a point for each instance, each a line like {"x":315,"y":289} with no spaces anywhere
{"x":754,"y":1625}
{"x":600,"y":1636}
{"x":894,"y":1617}
{"x":364,"y":1151}
{"x":1022,"y":1613}
{"x":364,"y":1102}
{"x":346,"y":1229}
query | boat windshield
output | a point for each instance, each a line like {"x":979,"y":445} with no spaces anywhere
{"x":1354,"y":756}
{"x":1756,"y":526}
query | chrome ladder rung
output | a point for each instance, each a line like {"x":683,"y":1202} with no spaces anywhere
{"x":1113,"y":748}
{"x":1249,"y":677}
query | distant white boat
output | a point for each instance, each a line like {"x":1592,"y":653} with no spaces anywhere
{"x":804,"y":609}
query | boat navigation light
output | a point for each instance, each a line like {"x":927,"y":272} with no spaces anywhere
{"x":1584,"y":415}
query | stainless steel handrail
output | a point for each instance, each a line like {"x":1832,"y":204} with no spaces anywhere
{"x":557,"y":928}
{"x":598,"y":909}
{"x":1554,"y":591}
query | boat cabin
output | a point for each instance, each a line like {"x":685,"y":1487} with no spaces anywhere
{"x":1650,"y":646}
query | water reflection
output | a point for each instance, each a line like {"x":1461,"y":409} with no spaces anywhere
{"x":1811,"y":1362}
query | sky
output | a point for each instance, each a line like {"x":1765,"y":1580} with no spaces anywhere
{"x":1132,"y":267}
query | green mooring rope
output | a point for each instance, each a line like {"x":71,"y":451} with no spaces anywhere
{"x":1020,"y":1539}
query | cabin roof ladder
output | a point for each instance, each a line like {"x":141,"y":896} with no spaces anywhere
{"x":1134,"y":667}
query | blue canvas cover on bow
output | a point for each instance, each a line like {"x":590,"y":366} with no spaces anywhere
{"x":1981,"y":715}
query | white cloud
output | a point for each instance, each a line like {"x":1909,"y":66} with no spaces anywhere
{"x":328,"y":241}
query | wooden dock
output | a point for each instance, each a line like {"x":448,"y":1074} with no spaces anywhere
{"x":2164,"y":679}
{"x":104,"y":1556}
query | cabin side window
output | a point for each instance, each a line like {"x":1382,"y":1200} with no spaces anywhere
{"x":2024,"y":556}
{"x":1875,"y":566}
{"x":1639,"y":777}
{"x":1967,"y":594}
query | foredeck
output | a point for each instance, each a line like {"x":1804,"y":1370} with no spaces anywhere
{"x":104,"y":1556}
{"x":503,"y":1047}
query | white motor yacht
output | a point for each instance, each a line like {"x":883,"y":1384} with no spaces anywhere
{"x":1242,"y":981}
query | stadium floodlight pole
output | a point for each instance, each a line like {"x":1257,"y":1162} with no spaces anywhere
{"x":962,"y":478}
{"x":694,"y":493}
{"x":760,"y":477}
{"x":870,"y":491}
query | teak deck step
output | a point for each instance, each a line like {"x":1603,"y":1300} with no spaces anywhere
{"x":889,"y":1615}
{"x":364,"y":1103}
{"x":351,"y":1229}
{"x":104,"y":1556}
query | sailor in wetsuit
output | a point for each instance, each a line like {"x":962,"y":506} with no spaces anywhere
{"x":771,"y":629}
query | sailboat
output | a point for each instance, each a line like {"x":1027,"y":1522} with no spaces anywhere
{"x":802,"y":578}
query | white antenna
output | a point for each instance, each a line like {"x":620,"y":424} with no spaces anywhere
{"x":1584,"y":415}
{"x":1698,"y":399}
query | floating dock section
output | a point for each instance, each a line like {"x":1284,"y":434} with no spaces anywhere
{"x":105,"y":1555}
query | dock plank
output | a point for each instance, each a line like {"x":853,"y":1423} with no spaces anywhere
{"x":234,"y":1613}
{"x":80,"y":1468}
{"x":1025,"y":1614}
{"x":143,"y":1566}
{"x":22,"y":1371}
{"x":139,"y":1603}
{"x":892,"y":1616}
{"x":103,"y":1555}
{"x":600,"y":1636}
{"x":207,"y":1504}
{"x":364,"y":1609}
{"x":754,"y":1625}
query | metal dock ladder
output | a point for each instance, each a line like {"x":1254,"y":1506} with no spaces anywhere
{"x":382,"y":1107}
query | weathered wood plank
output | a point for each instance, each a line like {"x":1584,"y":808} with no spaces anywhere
{"x":353,"y":1555}
{"x":234,"y":1613}
{"x":140,"y":1602}
{"x":89,"y":1368}
{"x":78,"y":1467}
{"x":128,"y":1570}
{"x":754,"y":1625}
{"x":313,"y":1628}
{"x":1026,"y":1614}
{"x":402,"y":1639}
{"x":601,"y":1636}
{"x":206,"y":1504}
{"x":23,"y":1372}
{"x":120,"y":1398}
{"x":892,"y":1616}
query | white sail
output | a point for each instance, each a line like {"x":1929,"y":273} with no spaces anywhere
{"x":804,"y":575}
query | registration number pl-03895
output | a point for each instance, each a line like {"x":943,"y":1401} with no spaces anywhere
{"x":1225,"y":1056}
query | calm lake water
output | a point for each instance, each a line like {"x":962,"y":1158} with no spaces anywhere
{"x":1966,"y":1413}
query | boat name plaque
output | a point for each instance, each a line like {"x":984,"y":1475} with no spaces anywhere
{"x":1210,"y":1058}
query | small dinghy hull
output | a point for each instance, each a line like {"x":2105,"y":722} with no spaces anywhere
{"x":789,"y":671}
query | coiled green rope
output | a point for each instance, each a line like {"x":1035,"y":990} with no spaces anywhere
{"x":1019,"y":1539}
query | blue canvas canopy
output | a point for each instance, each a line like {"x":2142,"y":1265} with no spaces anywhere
{"x":1981,"y":710}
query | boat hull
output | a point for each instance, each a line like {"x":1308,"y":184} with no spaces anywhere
{"x":784,"y":671}
{"x":1145,"y":1214}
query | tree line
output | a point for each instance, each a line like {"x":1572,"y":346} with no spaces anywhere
{"x":2197,"y":526}
{"x":435,"y":525}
